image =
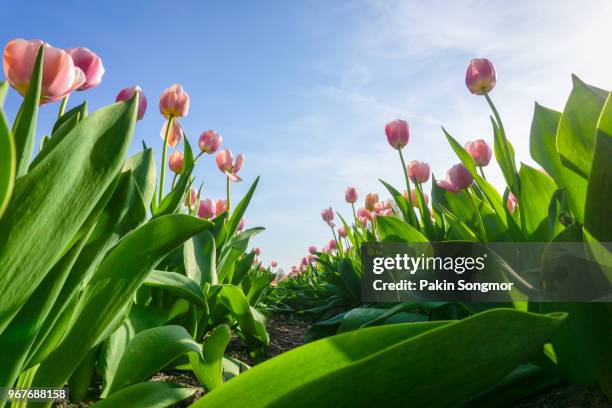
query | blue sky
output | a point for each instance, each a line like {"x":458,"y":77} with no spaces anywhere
{"x":304,"y":88}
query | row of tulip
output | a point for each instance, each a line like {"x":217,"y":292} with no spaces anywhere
{"x":98,"y":269}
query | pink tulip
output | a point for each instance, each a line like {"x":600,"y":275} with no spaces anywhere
{"x":174,"y":101}
{"x":512,"y":203}
{"x":191,"y":198}
{"x":350,"y":194}
{"x":274,"y":264}
{"x":91,"y":65}
{"x":397,"y":133}
{"x":127,"y":93}
{"x":342,"y":232}
{"x":312,"y":249}
{"x":312,"y":258}
{"x":370,"y":200}
{"x":327,"y":214}
{"x":325,"y":249}
{"x":225,"y":163}
{"x":480,"y":77}
{"x":457,"y":178}
{"x":418,"y":171}
{"x":364,"y":220}
{"x":304,"y":261}
{"x":220,"y":206}
{"x":415,"y":198}
{"x":175,"y":135}
{"x":332,"y":244}
{"x":241,"y":224}
{"x":257,"y":251}
{"x":364,"y":213}
{"x":480,"y":151}
{"x":60,"y":75}
{"x":206,"y":209}
{"x":176,"y":162}
{"x":210,"y":141}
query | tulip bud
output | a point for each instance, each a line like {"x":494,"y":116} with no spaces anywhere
{"x":327,"y":214}
{"x":127,"y":93}
{"x":174,"y":101}
{"x":220,"y":206}
{"x":370,"y":200}
{"x":210,"y":141}
{"x":191,"y":198}
{"x":418,"y":171}
{"x":90,"y":64}
{"x":397,"y":133}
{"x":325,"y":249}
{"x":60,"y":75}
{"x":273,"y":264}
{"x":241,"y":224}
{"x":342,"y":232}
{"x":350,"y":194}
{"x":512,"y":202}
{"x":312,"y":249}
{"x":304,"y":261}
{"x":480,"y":151}
{"x":480,"y":77}
{"x":206,"y":209}
{"x":176,"y":162}
{"x":457,"y":178}
{"x":332,"y":244}
{"x":175,"y":134}
{"x":363,"y":213}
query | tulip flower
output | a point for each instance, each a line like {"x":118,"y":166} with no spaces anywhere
{"x":209,"y":141}
{"x":415,"y":201}
{"x":480,"y":77}
{"x":220,"y":206}
{"x":206,"y":209}
{"x":191,"y":198}
{"x":174,"y":102}
{"x":312,"y":249}
{"x":312,"y":258}
{"x":370,"y":200}
{"x":241,"y":224}
{"x":176,"y":162}
{"x":91,"y":65}
{"x":328,"y":215}
{"x":174,"y":135}
{"x":457,"y":178}
{"x":512,"y":203}
{"x":397,"y":133}
{"x":60,"y":75}
{"x":480,"y":151}
{"x":342,"y":232}
{"x":127,"y":93}
{"x":418,"y":171}
{"x":305,"y":261}
{"x":273,"y":264}
{"x":227,"y":164}
{"x":350,"y":194}
{"x":257,"y":251}
{"x":332,"y":244}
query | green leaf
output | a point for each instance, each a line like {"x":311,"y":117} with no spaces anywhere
{"x":443,"y":365}
{"x":172,"y":202}
{"x":52,"y":201}
{"x":111,"y":290}
{"x":200,"y":258}
{"x":8,"y":162}
{"x":232,"y":223}
{"x":24,"y":127}
{"x":543,"y":141}
{"x":363,"y":316}
{"x":465,"y":157}
{"x":208,"y":368}
{"x":75,"y":114}
{"x":507,"y":164}
{"x":392,"y":229}
{"x":155,"y":394}
{"x":399,"y":199}
{"x":178,"y":284}
{"x":150,"y":351}
{"x":537,"y":190}
{"x":142,"y":165}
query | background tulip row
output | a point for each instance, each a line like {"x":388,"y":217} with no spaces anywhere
{"x":470,"y":354}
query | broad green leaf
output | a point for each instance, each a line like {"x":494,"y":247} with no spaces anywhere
{"x":154,"y":394}
{"x":178,"y":284}
{"x":112,"y":287}
{"x":362,"y":316}
{"x":382,"y":360}
{"x":465,"y":157}
{"x":242,"y":267}
{"x":200,"y":258}
{"x":230,"y":227}
{"x":150,"y":351}
{"x":392,"y":229}
{"x":142,"y":165}
{"x":208,"y":368}
{"x":172,"y":202}
{"x":232,"y":368}
{"x":505,"y":158}
{"x":24,"y":127}
{"x":78,"y":112}
{"x":537,"y":190}
{"x":52,"y":201}
{"x":80,"y":380}
{"x":543,"y":141}
{"x":399,"y":199}
{"x":8,"y":162}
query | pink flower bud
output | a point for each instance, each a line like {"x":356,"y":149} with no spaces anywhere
{"x":327,"y":214}
{"x":480,"y":151}
{"x":512,"y":202}
{"x":241,"y":224}
{"x":191,"y":198}
{"x":175,"y":135}
{"x":415,"y":198}
{"x":225,"y":163}
{"x":176,"y":162}
{"x":127,"y":93}
{"x":363,"y":213}
{"x":174,"y":101}
{"x":274,"y":264}
{"x":457,"y":178}
{"x":210,"y":141}
{"x":257,"y":251}
{"x":220,"y":206}
{"x":312,"y":258}
{"x":397,"y":133}
{"x":90,"y":64}
{"x":370,"y":200}
{"x":304,"y":261}
{"x":342,"y":232}
{"x":206,"y":209}
{"x":350,"y":194}
{"x":332,"y":244}
{"x":325,"y":249}
{"x":480,"y":76}
{"x":364,"y":221}
{"x":60,"y":75}
{"x":418,"y":171}
{"x":312,"y":249}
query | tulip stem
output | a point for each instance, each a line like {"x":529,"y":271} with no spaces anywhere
{"x":410,"y":208}
{"x":338,"y":244}
{"x":198,"y":156}
{"x":174,"y":180}
{"x":483,"y":233}
{"x":227,"y":187}
{"x":482,"y":172}
{"x":163,"y":163}
{"x":62,"y":108}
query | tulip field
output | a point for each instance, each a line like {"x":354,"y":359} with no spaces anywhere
{"x":116,"y":281}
